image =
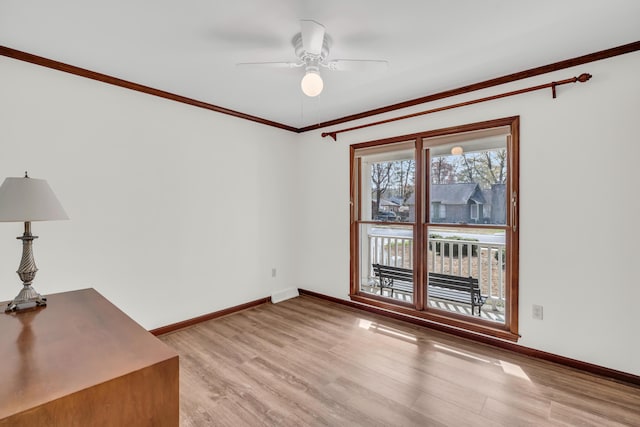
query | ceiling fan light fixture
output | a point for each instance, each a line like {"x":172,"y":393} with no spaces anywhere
{"x":312,"y":83}
{"x":311,"y":46}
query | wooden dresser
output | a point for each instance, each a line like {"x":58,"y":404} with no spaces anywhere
{"x":80,"y":361}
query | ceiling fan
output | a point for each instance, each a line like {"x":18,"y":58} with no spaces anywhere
{"x":312,"y":46}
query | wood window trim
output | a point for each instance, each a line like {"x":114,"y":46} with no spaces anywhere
{"x":432,"y":317}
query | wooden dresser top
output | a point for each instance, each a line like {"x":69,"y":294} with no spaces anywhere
{"x":77,"y":341}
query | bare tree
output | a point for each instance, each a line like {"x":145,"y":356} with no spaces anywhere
{"x":442,"y":170}
{"x":380,"y":181}
{"x":404,"y":177}
{"x":495,"y":166}
{"x":486,"y":168}
{"x":468,"y":168}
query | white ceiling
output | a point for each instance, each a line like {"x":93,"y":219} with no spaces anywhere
{"x":190,"y":47}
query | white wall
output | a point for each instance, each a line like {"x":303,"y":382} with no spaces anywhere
{"x":175,"y":211}
{"x":178,"y":211}
{"x":579,"y":235}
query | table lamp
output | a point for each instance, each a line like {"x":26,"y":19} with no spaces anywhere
{"x":26,"y":200}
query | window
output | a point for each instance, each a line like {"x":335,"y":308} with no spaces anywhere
{"x":473,"y":211}
{"x":438,"y":211}
{"x":387,"y":181}
{"x":434,"y":232}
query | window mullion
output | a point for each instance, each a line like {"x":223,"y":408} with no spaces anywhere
{"x":418,"y":234}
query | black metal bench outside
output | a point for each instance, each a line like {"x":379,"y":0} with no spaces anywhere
{"x":394,"y":278}
{"x":458,"y":289}
{"x":465,"y":290}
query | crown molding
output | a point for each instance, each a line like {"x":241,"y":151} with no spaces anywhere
{"x":82,"y":72}
{"x":567,"y":63}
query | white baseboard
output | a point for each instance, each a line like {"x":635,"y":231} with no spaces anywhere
{"x":284,"y":294}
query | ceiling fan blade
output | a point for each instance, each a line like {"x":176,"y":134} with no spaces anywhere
{"x":269,"y":64}
{"x":357,"y":65}
{"x":312,"y":36}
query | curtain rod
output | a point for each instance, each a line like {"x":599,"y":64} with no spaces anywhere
{"x":581,"y":78}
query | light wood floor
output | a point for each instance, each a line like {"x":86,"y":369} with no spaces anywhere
{"x":306,"y":361}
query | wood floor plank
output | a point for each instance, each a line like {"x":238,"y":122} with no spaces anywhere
{"x":312,"y":404}
{"x":522,"y":414}
{"x":310,"y":362}
{"x":379,"y":405}
{"x":569,"y":415}
{"x":450,"y":414}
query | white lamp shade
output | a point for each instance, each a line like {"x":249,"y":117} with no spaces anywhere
{"x":457,"y":150}
{"x":312,"y":83}
{"x":29,"y":199}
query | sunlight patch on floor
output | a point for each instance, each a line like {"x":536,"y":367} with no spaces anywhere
{"x":461,"y":353}
{"x":515,"y":370}
{"x":372,"y":326}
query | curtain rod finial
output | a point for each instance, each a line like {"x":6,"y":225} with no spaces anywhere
{"x":584,"y":77}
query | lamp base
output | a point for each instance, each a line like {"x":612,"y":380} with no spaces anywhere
{"x":27,"y":298}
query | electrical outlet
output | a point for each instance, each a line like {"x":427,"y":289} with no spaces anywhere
{"x":536,"y":312}
{"x":273,"y":272}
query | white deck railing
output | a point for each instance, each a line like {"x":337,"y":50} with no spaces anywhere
{"x":449,"y":256}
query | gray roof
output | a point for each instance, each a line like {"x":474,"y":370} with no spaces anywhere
{"x":456,"y":194}
{"x":387,"y":202}
{"x":453,"y":194}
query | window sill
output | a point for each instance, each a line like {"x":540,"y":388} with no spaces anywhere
{"x":478,"y":330}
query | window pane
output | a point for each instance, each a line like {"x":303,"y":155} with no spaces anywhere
{"x":459,"y":259}
{"x":468,"y":182}
{"x":388,"y":187}
{"x":388,"y":246}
